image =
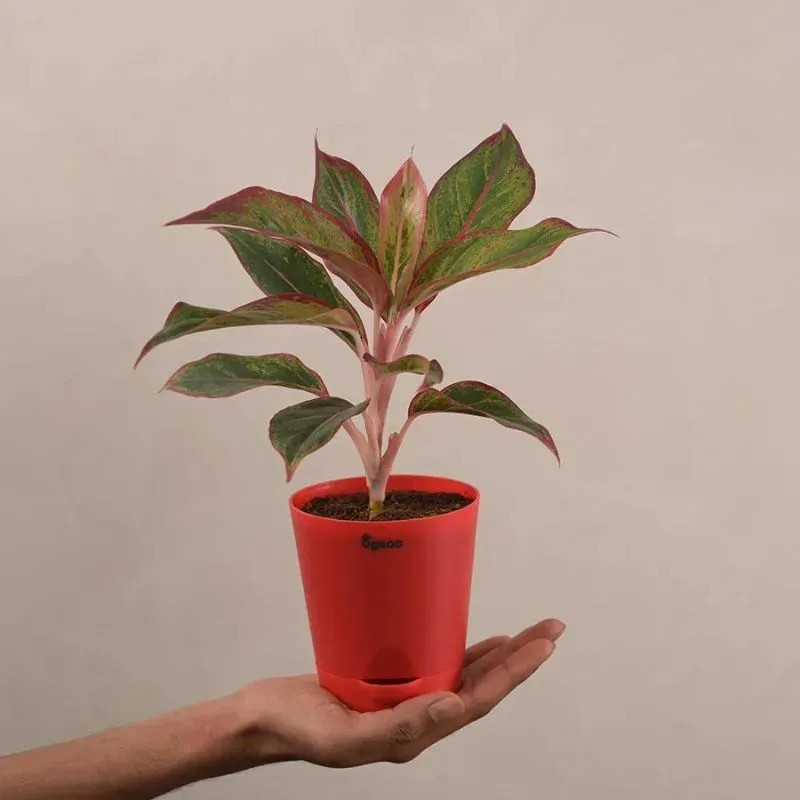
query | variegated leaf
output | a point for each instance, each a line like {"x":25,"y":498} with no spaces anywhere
{"x":299,"y":430}
{"x":481,"y":252}
{"x":341,"y":189}
{"x":485,"y":190}
{"x":298,"y":222}
{"x":280,"y":309}
{"x":480,"y":400}
{"x":402,"y":224}
{"x":278,"y":268}
{"x":430,"y":369}
{"x":226,"y":375}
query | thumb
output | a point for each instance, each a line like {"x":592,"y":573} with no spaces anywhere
{"x":445,"y":708}
{"x":412,"y":720}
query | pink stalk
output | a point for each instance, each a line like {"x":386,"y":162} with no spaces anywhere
{"x":389,"y":342}
{"x":391,"y":350}
{"x":388,"y":458}
{"x":361,"y":444}
{"x":358,"y":439}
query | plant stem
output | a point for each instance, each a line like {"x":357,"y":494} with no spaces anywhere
{"x":388,"y":458}
{"x":376,"y":499}
{"x":360,"y":441}
{"x":398,"y":348}
{"x":373,"y":441}
{"x":390,"y":341}
{"x":388,"y":344}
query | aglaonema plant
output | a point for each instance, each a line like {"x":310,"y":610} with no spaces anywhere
{"x":396,"y":253}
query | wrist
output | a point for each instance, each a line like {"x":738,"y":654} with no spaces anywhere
{"x":221,"y":737}
{"x":247,"y":735}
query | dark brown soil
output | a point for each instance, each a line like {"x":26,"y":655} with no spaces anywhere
{"x":398,"y":505}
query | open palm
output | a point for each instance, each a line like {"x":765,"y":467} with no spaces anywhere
{"x":316,"y":727}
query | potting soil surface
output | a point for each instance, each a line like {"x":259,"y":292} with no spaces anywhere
{"x":396,"y":506}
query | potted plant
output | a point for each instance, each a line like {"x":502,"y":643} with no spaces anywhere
{"x":386,"y":560}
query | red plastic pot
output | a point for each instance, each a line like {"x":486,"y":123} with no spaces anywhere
{"x":388,"y":602}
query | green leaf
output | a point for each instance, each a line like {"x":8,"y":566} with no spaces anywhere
{"x":184,"y":318}
{"x":481,"y":252}
{"x":280,"y":309}
{"x":485,"y":190}
{"x":480,"y":400}
{"x":341,"y":189}
{"x":299,"y":430}
{"x":402,"y":223}
{"x":300,"y":223}
{"x":430,"y":369}
{"x":279,"y":268}
{"x":226,"y":375}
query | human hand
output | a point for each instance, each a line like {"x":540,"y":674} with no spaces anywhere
{"x":284,"y":719}
{"x":295,"y":718}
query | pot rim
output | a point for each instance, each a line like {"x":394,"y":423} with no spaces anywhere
{"x":308,"y":492}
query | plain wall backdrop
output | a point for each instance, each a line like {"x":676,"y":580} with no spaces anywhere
{"x":146,"y":557}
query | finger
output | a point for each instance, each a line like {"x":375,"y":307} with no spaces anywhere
{"x":480,"y":649}
{"x":402,"y":732}
{"x":550,"y":629}
{"x":502,"y":679}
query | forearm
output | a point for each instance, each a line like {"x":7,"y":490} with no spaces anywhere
{"x":144,"y":760}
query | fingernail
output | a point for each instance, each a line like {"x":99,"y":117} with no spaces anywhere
{"x":561,"y":628}
{"x":446,"y":709}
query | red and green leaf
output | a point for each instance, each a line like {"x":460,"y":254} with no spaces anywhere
{"x":341,"y":189}
{"x":430,"y":369}
{"x":280,"y":268}
{"x":485,"y":190}
{"x":280,"y":309}
{"x":402,"y":224}
{"x":298,"y":222}
{"x":226,"y":375}
{"x":480,"y":400}
{"x":299,"y":430}
{"x":477,"y":253}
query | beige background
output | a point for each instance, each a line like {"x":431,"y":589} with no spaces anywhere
{"x":146,"y":559}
